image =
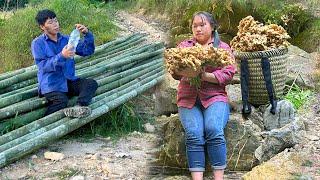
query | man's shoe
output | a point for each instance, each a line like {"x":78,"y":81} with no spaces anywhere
{"x":77,"y":111}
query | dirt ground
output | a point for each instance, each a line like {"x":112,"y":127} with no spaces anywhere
{"x":130,"y":157}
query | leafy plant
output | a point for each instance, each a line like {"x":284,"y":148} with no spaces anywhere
{"x":116,"y":123}
{"x":20,"y":29}
{"x":309,"y":39}
{"x":307,"y":163}
{"x":67,"y":173}
{"x":8,"y":5}
{"x":297,"y":96}
{"x":292,"y":16}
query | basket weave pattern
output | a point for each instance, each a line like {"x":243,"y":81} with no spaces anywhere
{"x":258,"y":94}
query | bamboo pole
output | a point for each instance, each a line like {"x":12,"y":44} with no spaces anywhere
{"x":94,"y":105}
{"x":9,"y":79}
{"x":31,"y":145}
{"x":25,"y":106}
{"x":99,"y":95}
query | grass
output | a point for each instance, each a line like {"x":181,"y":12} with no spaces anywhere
{"x":298,"y":96}
{"x":67,"y":173}
{"x":115,"y":124}
{"x":230,"y":12}
{"x":307,"y":163}
{"x":97,"y":16}
{"x":316,"y":73}
{"x":15,"y":45}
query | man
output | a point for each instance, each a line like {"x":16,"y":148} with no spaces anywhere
{"x":56,"y":66}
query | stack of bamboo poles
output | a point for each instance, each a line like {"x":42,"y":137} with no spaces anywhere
{"x":123,"y":69}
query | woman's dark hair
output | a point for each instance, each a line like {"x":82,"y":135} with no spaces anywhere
{"x":208,"y":16}
{"x":43,"y":15}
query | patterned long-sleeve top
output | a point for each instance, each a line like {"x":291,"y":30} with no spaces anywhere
{"x":208,"y":93}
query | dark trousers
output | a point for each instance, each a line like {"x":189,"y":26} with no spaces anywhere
{"x":83,"y":88}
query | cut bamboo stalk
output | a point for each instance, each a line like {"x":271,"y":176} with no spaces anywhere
{"x":35,"y":103}
{"x":97,"y":104}
{"x":24,"y":148}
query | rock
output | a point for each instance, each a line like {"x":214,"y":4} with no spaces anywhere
{"x":172,"y":151}
{"x":96,"y":156}
{"x":284,"y":114}
{"x":123,"y":155}
{"x":34,"y":157}
{"x":242,"y":140}
{"x":278,"y":139}
{"x":104,"y":168}
{"x":136,"y":134}
{"x":300,"y":68}
{"x":77,"y":178}
{"x":88,"y":156}
{"x":256,"y":117}
{"x":165,"y":93}
{"x":234,"y":93}
{"x":282,"y":166}
{"x":54,"y":156}
{"x":149,"y":128}
{"x":312,"y":137}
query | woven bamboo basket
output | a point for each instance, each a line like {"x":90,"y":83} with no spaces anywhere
{"x":258,"y":94}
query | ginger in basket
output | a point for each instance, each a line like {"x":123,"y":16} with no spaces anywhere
{"x":254,"y":36}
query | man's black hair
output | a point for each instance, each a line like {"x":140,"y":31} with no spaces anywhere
{"x":43,"y":15}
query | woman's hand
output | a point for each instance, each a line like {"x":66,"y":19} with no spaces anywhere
{"x":188,"y":72}
{"x":209,"y":77}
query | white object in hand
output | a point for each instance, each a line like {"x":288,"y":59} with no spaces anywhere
{"x":74,"y":39}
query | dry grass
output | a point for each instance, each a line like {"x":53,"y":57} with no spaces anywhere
{"x":5,"y":14}
{"x":317,"y":73}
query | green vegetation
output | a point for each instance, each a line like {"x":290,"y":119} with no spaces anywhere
{"x":309,"y":39}
{"x":114,"y":124}
{"x":8,"y":5}
{"x":307,"y":163}
{"x":19,"y":30}
{"x":298,"y":96}
{"x":66,"y":173}
{"x":291,"y":15}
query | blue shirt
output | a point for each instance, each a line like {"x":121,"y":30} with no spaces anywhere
{"x":53,"y":69}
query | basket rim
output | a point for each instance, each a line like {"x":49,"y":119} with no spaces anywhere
{"x":260,"y":54}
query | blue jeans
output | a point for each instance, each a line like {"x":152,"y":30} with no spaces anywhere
{"x":205,"y":127}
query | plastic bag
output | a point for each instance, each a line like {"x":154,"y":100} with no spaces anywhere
{"x":74,"y":39}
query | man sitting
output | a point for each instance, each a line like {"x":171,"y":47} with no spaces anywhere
{"x":56,"y":66}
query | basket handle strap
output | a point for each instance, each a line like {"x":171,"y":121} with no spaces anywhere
{"x":244,"y":79}
{"x":265,"y":65}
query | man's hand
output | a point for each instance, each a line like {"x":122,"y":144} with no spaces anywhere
{"x":67,"y":52}
{"x":83,"y":29}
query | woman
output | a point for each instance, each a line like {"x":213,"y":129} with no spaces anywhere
{"x":204,"y":112}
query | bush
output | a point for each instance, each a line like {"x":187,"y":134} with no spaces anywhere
{"x":298,"y":97}
{"x":292,"y":16}
{"x":20,"y":29}
{"x":309,"y":39}
{"x":8,"y":5}
{"x":116,"y":123}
